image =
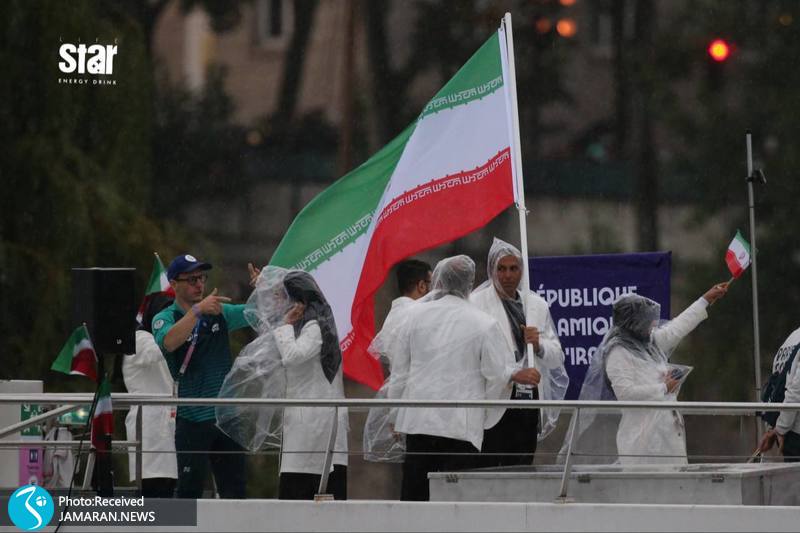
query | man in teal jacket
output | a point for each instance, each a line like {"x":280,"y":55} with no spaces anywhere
{"x":193,"y":336}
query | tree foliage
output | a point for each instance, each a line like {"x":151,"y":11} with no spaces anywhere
{"x":76,"y":165}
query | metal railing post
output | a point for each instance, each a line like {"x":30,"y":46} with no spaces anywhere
{"x":326,"y":467}
{"x":87,"y":474}
{"x":139,"y":449}
{"x":573,"y":434}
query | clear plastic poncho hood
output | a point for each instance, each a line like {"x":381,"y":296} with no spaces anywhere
{"x":454,"y":276}
{"x":497,"y":251}
{"x":257,"y":371}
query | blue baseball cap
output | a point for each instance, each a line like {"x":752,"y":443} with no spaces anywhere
{"x":185,"y":263}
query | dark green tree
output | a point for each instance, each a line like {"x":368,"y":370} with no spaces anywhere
{"x":76,"y":165}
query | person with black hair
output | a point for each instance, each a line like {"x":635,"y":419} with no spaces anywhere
{"x":146,"y":372}
{"x":309,"y":350}
{"x":413,"y":282}
{"x":413,"y":279}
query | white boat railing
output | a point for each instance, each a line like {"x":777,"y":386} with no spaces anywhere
{"x":70,"y":401}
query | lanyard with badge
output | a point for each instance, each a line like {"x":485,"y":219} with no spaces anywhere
{"x":185,"y":364}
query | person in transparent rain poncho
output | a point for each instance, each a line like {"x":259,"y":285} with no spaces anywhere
{"x":631,"y":364}
{"x":512,"y":434}
{"x":445,"y":349}
{"x":296,"y":355}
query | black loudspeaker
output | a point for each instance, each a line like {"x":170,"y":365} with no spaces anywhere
{"x":105,"y":299}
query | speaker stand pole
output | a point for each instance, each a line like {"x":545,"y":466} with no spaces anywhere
{"x":103,"y":479}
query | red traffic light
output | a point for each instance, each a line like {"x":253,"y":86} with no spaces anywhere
{"x":719,"y":50}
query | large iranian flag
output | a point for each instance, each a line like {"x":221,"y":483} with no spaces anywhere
{"x":447,"y":174}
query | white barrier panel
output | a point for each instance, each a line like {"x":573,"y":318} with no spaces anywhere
{"x":775,"y":484}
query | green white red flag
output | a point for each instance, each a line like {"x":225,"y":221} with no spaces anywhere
{"x":738,"y":255}
{"x":158,"y":284}
{"x":447,"y":174}
{"x":77,"y":356}
{"x":103,"y":419}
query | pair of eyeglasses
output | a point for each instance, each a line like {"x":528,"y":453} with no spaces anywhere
{"x":193,"y":280}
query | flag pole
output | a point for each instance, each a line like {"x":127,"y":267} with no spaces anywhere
{"x":754,"y":276}
{"x":516,"y":153}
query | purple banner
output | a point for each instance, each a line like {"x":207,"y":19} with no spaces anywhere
{"x":580,"y":290}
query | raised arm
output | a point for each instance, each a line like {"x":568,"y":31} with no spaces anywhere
{"x":668,"y":336}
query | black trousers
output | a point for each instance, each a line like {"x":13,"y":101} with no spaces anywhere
{"x":158,"y":487}
{"x":202,"y":443}
{"x":438,"y":454}
{"x":515,"y":435}
{"x":791,"y":447}
{"x":295,"y":486}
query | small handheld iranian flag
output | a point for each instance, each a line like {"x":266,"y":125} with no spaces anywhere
{"x":738,"y":255}
{"x":78,"y":355}
{"x":158,"y":284}
{"x":103,"y":419}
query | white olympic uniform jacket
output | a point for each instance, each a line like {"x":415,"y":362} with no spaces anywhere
{"x":146,"y":372}
{"x":658,"y":432}
{"x":449,"y":350}
{"x":550,"y":354}
{"x":307,"y":429}
{"x":394,"y":319}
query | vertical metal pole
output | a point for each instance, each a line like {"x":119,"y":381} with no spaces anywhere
{"x":326,"y":467}
{"x":573,"y":434}
{"x":754,"y":277}
{"x":139,"y":448}
{"x":87,"y":475}
{"x":516,"y":153}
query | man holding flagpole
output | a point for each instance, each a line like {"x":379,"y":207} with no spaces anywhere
{"x":512,"y":434}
